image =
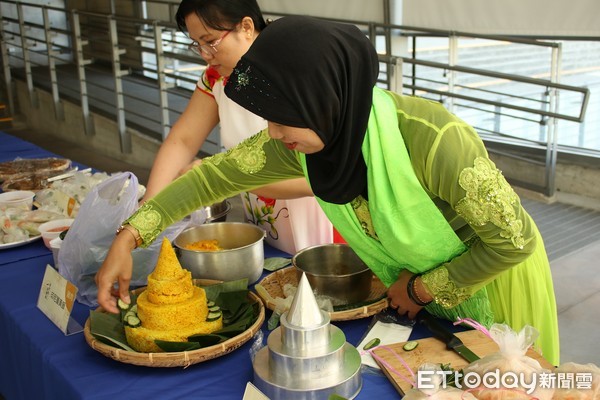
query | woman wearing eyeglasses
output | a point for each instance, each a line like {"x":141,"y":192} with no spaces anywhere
{"x":221,"y":32}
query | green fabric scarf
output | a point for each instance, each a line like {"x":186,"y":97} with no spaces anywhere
{"x":411,"y":232}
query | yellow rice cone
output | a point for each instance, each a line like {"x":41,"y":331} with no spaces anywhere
{"x":167,"y":266}
{"x":171,"y":308}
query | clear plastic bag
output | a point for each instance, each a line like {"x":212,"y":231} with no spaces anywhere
{"x":510,"y":361}
{"x":87,"y":242}
{"x":580,"y":382}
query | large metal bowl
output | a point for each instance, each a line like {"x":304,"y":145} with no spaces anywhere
{"x":243,"y":255}
{"x":217,"y":212}
{"x":335,"y":271}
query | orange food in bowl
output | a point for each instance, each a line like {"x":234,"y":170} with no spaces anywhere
{"x":52,"y":229}
{"x":204,"y":245}
{"x":59,"y":229}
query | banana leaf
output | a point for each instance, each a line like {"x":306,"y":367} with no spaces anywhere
{"x":213,"y":291}
{"x":275,"y":263}
{"x":232,"y":303}
{"x":177,"y":346}
{"x":207,"y":340}
{"x":108,"y":329}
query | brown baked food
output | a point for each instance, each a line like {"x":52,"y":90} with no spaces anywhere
{"x":24,"y":167}
{"x":31,"y":182}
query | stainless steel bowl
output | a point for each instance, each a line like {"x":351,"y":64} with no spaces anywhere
{"x":334,"y":270}
{"x":217,"y":212}
{"x":243,"y":255}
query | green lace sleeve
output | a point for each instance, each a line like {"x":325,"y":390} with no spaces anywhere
{"x":253,"y":163}
{"x":471,"y":193}
{"x":444,"y":290}
{"x":490,"y":199}
{"x":475,"y":192}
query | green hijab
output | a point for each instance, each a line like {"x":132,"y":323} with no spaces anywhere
{"x":411,"y":232}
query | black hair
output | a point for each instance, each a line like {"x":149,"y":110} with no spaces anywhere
{"x":220,"y":14}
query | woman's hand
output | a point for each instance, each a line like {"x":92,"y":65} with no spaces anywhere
{"x":116,"y":268}
{"x":398,"y":295}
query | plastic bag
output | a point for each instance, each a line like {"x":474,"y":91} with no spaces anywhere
{"x":579,"y":382}
{"x":86,"y":244}
{"x":511,"y":361}
{"x":436,"y":389}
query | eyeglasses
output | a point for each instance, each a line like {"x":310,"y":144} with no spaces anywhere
{"x":208,"y":49}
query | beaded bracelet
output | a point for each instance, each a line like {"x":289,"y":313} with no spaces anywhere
{"x":412,"y":293}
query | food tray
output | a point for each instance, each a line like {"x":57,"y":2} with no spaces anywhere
{"x":33,"y":182}
{"x":376,"y":302}
{"x":179,"y":358}
{"x":24,"y":167}
{"x":19,"y":242}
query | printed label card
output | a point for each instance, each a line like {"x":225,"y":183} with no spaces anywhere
{"x":56,"y":299}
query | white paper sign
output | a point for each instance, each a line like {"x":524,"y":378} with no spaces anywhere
{"x":57,"y":296}
{"x":388,"y":333}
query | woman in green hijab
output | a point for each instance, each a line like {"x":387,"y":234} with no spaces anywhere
{"x":408,"y":185}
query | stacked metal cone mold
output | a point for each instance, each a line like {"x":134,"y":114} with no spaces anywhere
{"x":306,"y":357}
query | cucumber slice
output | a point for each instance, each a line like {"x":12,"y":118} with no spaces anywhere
{"x":129,"y":314}
{"x":410,"y":345}
{"x":133,"y":321}
{"x":372,"y":343}
{"x":122,"y":305}
{"x":214,"y":309}
{"x":210,"y":304}
{"x":213,"y":316}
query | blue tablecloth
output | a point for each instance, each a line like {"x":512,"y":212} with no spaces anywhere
{"x":13,"y":147}
{"x":37,"y":361}
{"x":30,"y":250}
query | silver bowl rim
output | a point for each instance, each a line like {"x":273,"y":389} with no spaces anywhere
{"x":264,"y":234}
{"x":221,"y":214}
{"x":328,"y":275}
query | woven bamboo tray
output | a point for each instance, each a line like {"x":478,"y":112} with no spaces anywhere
{"x":376,"y":302}
{"x":181,"y":358}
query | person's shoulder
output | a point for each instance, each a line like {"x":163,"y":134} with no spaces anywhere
{"x":418,"y":109}
{"x":209,"y":78}
{"x":414,"y":102}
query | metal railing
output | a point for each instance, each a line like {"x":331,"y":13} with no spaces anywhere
{"x":50,"y":40}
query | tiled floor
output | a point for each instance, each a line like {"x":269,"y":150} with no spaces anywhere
{"x":576,"y":274}
{"x":576,"y":284}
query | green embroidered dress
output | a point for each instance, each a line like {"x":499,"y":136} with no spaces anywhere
{"x":454,"y":218}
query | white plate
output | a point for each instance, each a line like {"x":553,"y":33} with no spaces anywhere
{"x":19,"y":243}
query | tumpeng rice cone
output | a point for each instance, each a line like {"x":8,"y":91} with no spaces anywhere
{"x":306,"y":357}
